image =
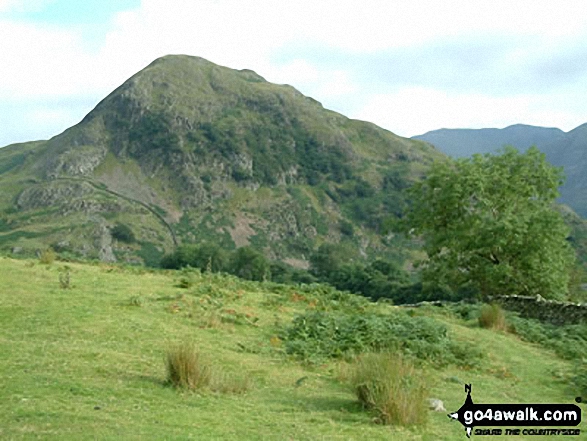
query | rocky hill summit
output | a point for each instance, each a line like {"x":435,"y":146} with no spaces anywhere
{"x":187,"y":151}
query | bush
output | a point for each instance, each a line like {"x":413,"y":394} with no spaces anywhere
{"x":492,"y":317}
{"x":186,"y":368}
{"x":122,"y":233}
{"x":390,"y":386}
{"x":48,"y":256}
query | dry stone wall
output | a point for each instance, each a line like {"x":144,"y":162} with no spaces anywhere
{"x":558,"y":313}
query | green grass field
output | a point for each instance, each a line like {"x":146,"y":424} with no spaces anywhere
{"x":88,"y":362}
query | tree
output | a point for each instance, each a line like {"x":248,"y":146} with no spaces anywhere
{"x":489,"y":224}
{"x":247,"y":263}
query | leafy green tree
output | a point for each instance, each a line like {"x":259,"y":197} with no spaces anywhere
{"x":250,"y":264}
{"x":327,"y":259}
{"x":206,"y":256}
{"x":488,"y":223}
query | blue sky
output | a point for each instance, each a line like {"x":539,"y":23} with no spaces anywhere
{"x":409,"y":66}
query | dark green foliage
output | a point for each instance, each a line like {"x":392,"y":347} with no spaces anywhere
{"x":150,"y":254}
{"x":4,"y":226}
{"x":327,"y":259}
{"x":316,"y":336}
{"x":283,"y":273}
{"x":123,"y":233}
{"x":379,"y":279}
{"x":152,"y":132}
{"x":206,"y":257}
{"x":249,"y":264}
{"x":346,"y":228}
{"x":488,"y":222}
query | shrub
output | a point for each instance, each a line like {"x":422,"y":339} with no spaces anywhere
{"x":186,"y":368}
{"x":319,"y":335}
{"x":492,"y":317}
{"x":122,"y":233}
{"x":48,"y":256}
{"x":390,"y":386}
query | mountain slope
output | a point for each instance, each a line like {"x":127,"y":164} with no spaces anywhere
{"x":188,"y":151}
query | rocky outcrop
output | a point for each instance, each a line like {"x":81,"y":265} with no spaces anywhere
{"x":79,"y":161}
{"x":104,"y":244}
{"x":53,"y":193}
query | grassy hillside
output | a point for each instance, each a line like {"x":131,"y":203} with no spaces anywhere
{"x":84,"y":358}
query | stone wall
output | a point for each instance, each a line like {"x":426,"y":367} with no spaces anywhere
{"x":558,"y":313}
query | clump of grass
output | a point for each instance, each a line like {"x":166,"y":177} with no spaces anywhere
{"x":47,"y":256}
{"x":390,"y":386}
{"x":186,"y":369}
{"x":65,"y":279}
{"x":492,"y":317}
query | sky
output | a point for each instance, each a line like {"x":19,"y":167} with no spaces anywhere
{"x":409,"y":66}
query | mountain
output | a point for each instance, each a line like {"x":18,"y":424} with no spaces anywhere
{"x":568,"y":150}
{"x":187,"y":151}
{"x":460,"y":143}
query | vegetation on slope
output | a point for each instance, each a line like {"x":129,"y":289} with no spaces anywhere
{"x":90,"y":360}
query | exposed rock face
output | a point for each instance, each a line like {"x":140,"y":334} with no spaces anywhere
{"x":78,"y":162}
{"x":51,"y":194}
{"x":104,"y":244}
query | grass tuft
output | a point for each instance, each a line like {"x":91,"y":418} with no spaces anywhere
{"x":390,"y":386}
{"x":186,"y":368}
{"x":492,"y":317}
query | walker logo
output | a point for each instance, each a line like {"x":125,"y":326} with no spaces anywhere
{"x":471,"y":415}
